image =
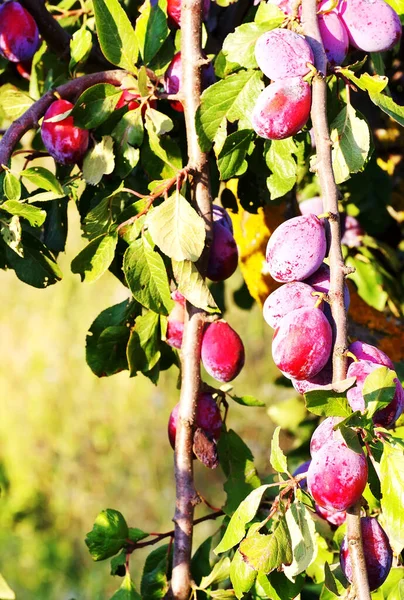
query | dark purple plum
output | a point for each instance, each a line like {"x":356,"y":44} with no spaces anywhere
{"x":65,"y":142}
{"x":19,"y":35}
{"x":221,"y":216}
{"x":173,"y":76}
{"x":223,"y":256}
{"x":286,"y":298}
{"x":222,"y":351}
{"x":283,"y":53}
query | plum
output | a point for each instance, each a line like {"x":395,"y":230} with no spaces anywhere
{"x":323,"y":378}
{"x":282,"y":108}
{"x":207,"y":417}
{"x":173,"y":75}
{"x":131,"y":100}
{"x":222,"y":351}
{"x":220,"y":215}
{"x":296,"y":249}
{"x":385,"y":417}
{"x":302,"y":343}
{"x":286,"y":298}
{"x":174,"y":11}
{"x":175,"y":322}
{"x":364,"y":351}
{"x":353,"y":232}
{"x":223,"y":256}
{"x":372,"y":25}
{"x":303,"y":468}
{"x":335,"y":517}
{"x":324,"y":433}
{"x":334,"y":36}
{"x":337,"y":475}
{"x":377,"y":551}
{"x":66,"y":143}
{"x":19,"y":35}
{"x":320,"y":281}
{"x":312,"y":206}
{"x":283,"y":53}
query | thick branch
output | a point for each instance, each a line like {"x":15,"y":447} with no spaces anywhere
{"x":29,"y":120}
{"x":191,"y":87}
{"x":329,"y":192}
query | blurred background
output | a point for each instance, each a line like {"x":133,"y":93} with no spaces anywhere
{"x":72,"y":445}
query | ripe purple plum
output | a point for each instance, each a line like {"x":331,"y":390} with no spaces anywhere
{"x":334,"y":36}
{"x":319,"y":381}
{"x":353,"y":232}
{"x":282,"y":108}
{"x":19,"y":35}
{"x":302,"y":343}
{"x":223,"y":256}
{"x":66,"y":143}
{"x":320,"y":281}
{"x":377,"y":551}
{"x":207,"y":417}
{"x":283,"y":53}
{"x":174,"y":11}
{"x":222,"y":351}
{"x":221,"y":216}
{"x":337,"y":475}
{"x":303,"y":468}
{"x":175,"y":321}
{"x":296,"y":249}
{"x":286,"y":298}
{"x":324,"y":433}
{"x":385,"y":417}
{"x":364,"y":351}
{"x":131,"y":100}
{"x":335,"y":517}
{"x":372,"y":25}
{"x":312,"y":206}
{"x":173,"y":75}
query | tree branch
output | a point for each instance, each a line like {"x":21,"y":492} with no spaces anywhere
{"x":186,"y":496}
{"x":329,"y":192}
{"x":30,"y":118}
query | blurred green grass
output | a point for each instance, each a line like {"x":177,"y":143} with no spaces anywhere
{"x":72,"y":445}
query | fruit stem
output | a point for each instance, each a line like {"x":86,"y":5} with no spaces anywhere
{"x":329,"y":192}
{"x":186,"y":495}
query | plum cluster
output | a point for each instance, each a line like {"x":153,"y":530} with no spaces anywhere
{"x":283,"y":107}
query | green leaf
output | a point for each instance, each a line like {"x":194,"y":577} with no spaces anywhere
{"x":99,"y":161}
{"x":219,"y":573}
{"x":302,"y":532}
{"x":45,"y":197}
{"x":232,"y":155}
{"x":278,"y":587}
{"x":177,"y":229}
{"x":35,"y":216}
{"x":130,"y":128}
{"x":268,"y":552}
{"x":233,"y":98}
{"x":387,"y":105}
{"x":368,"y":83}
{"x":237,"y":463}
{"x":369,"y":281}
{"x":236,"y":529}
{"x":350,"y":136}
{"x":327,"y":403}
{"x":80,"y":47}
{"x":351,"y":438}
{"x":95,"y":105}
{"x":108,"y":535}
{"x":116,"y":35}
{"x":146,"y":276}
{"x":38,"y":267}
{"x":242,"y":575}
{"x":277,"y":458}
{"x":13,"y":102}
{"x":95,"y":258}
{"x":392,"y":502}
{"x":154,"y":582}
{"x":247,"y":401}
{"x":191,"y":285}
{"x":127,"y":158}
{"x":239,"y":46}
{"x":100,"y":218}
{"x":11,"y":186}
{"x":379,"y":389}
{"x":135,"y":534}
{"x":6,"y":593}
{"x":164,"y":149}
{"x":151,"y":30}
{"x":44,"y":179}
{"x":280,"y":161}
{"x":127,"y":591}
{"x":117,"y":562}
{"x":267,"y":12}
{"x":143,"y":348}
{"x":11,"y":233}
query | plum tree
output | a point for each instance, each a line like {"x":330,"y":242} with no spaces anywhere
{"x":19,"y":35}
{"x":207,"y":417}
{"x":296,"y":249}
{"x":302,"y":343}
{"x":173,"y":76}
{"x":222,"y":351}
{"x":283,"y":53}
{"x":223,"y":255}
{"x":282,"y":108}
{"x":337,"y":475}
{"x":372,"y":25}
{"x":286,"y":298}
{"x":65,"y":142}
{"x":377,"y":551}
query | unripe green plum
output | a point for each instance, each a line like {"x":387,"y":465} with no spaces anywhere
{"x":283,"y":53}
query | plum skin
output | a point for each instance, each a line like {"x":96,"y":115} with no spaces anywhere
{"x":207,"y":417}
{"x":222,"y":351}
{"x":19,"y":35}
{"x":131,"y":100}
{"x":221,"y":216}
{"x":302,"y":343}
{"x":175,"y":321}
{"x":324,"y":433}
{"x":174,"y":11}
{"x":377,"y":551}
{"x":334,"y":36}
{"x":282,"y":108}
{"x":223,"y":255}
{"x":286,"y":298}
{"x":317,"y":382}
{"x":364,"y":351}
{"x":173,"y":76}
{"x":372,"y":25}
{"x":283,"y":53}
{"x":66,"y":143}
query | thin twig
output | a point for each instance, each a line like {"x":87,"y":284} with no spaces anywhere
{"x":329,"y":192}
